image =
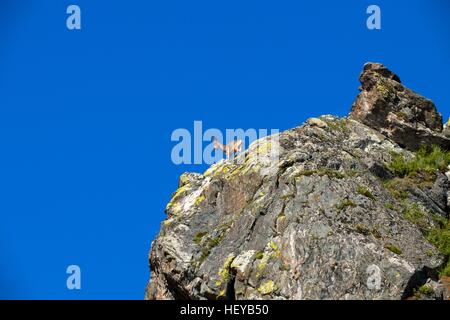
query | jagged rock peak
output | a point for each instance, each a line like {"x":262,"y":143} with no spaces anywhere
{"x":373,"y":67}
{"x":324,"y":219}
{"x":387,"y":106}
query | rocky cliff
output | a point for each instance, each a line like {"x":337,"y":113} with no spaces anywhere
{"x":337,"y":208}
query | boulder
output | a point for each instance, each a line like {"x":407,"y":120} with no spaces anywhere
{"x":406,"y":117}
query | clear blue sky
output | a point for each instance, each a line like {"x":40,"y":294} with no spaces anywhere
{"x":86,"y":116}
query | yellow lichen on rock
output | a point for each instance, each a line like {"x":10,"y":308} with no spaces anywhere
{"x":224,"y":273}
{"x":264,"y":147}
{"x":184,"y":179}
{"x":267,"y":287}
{"x":199,"y":200}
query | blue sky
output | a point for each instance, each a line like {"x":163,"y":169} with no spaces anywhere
{"x":86,"y":116}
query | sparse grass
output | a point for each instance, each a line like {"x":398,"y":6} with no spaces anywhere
{"x":339,"y":125}
{"x":365,"y":192}
{"x":394,"y":249}
{"x":426,"y":159}
{"x":215,"y":241}
{"x":354,"y":173}
{"x":198,"y":237}
{"x":445,"y":272}
{"x":207,"y":245}
{"x":203,"y":255}
{"x":440,"y":237}
{"x":345,"y":204}
{"x":363,"y":229}
{"x":416,"y":215}
{"x":397,"y":188}
{"x":389,"y":206}
{"x":437,"y":234}
{"x":420,"y":172}
{"x":323,"y":172}
{"x":333,"y":173}
{"x":376,"y":233}
{"x":425,"y":289}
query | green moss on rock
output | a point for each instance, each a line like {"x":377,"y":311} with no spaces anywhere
{"x":365,"y":192}
{"x":198,"y":236}
{"x":346,"y":203}
{"x":394,"y":249}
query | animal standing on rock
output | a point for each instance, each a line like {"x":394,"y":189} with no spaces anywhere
{"x":229,"y":149}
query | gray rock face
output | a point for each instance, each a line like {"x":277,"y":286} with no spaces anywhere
{"x":402,"y":115}
{"x":305,"y":214}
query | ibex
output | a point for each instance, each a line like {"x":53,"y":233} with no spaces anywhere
{"x":229,"y":149}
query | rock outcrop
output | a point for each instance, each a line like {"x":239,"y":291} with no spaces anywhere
{"x":407,"y":118}
{"x":315,"y":212}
